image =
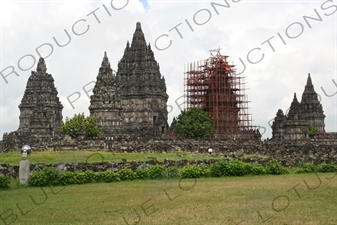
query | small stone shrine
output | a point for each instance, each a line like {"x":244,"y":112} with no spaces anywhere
{"x":301,"y":115}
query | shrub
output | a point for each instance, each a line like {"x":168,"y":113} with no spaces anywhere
{"x":126,"y":174}
{"x":217,"y":169}
{"x":190,"y":171}
{"x":172,"y":172}
{"x":257,"y":170}
{"x":47,"y":176}
{"x":142,"y":173}
{"x":307,"y":168}
{"x":194,"y":122}
{"x":53,"y":175}
{"x":4,"y":181}
{"x":237,"y":168}
{"x":38,"y":179}
{"x":205,"y":171}
{"x":109,"y":176}
{"x":91,"y":176}
{"x":274,"y":167}
{"x":67,"y":178}
{"x":79,"y":177}
{"x":156,"y":172}
{"x":285,"y":171}
{"x":326,"y":168}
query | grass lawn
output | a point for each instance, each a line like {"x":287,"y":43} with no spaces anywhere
{"x":284,"y":200}
{"x":48,"y":157}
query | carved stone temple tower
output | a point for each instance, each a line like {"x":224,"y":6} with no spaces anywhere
{"x":105,"y":103}
{"x":40,"y":108}
{"x":142,"y":88}
{"x":301,"y":115}
{"x":312,"y":110}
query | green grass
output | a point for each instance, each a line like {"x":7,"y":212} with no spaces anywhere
{"x":211,"y":201}
{"x":49,"y":157}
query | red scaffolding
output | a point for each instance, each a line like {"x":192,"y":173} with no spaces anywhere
{"x":213,"y":85}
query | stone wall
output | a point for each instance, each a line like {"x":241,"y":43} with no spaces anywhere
{"x":289,"y":153}
{"x":287,"y":157}
{"x":130,"y":144}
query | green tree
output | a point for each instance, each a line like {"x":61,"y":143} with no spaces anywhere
{"x":192,"y":123}
{"x":78,"y":124}
{"x":312,"y":130}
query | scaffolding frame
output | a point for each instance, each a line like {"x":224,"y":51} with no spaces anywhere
{"x":214,"y":86}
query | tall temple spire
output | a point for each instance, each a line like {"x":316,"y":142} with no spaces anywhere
{"x":309,"y":87}
{"x":40,"y":108}
{"x":312,"y":108}
{"x":142,"y":87}
{"x":309,"y":93}
{"x":138,"y":39}
{"x":295,"y":100}
{"x":138,"y":26}
{"x":295,"y":108}
{"x":105,"y":102}
{"x":136,"y":60}
{"x":309,"y":82}
{"x":105,"y":66}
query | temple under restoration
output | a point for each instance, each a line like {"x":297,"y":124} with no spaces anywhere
{"x":301,"y":115}
{"x":133,"y":102}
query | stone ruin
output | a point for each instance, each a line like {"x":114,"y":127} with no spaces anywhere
{"x":105,"y":103}
{"x":40,"y":108}
{"x":131,"y":107}
{"x":142,"y":89}
{"x":288,"y":153}
{"x":133,"y":101}
{"x":295,"y":125}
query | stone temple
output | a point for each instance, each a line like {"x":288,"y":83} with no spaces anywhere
{"x":40,"y":108}
{"x":301,"y":115}
{"x":134,"y":101}
{"x":105,"y":103}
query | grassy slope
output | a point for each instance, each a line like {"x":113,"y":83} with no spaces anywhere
{"x":209,"y":201}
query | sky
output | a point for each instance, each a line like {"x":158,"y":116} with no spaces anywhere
{"x":275,"y":44}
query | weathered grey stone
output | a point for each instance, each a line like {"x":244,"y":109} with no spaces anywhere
{"x":40,"y":113}
{"x":143,"y":89}
{"x":24,"y":172}
{"x":295,"y":125}
{"x":40,"y":108}
{"x":134,"y":101}
{"x":312,"y":110}
{"x":105,"y":103}
{"x":61,"y":168}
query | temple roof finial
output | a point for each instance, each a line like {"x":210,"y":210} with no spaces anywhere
{"x":309,"y":82}
{"x":41,"y":65}
{"x":138,"y":26}
{"x":105,"y":62}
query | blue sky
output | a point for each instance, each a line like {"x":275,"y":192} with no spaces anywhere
{"x":144,"y":2}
